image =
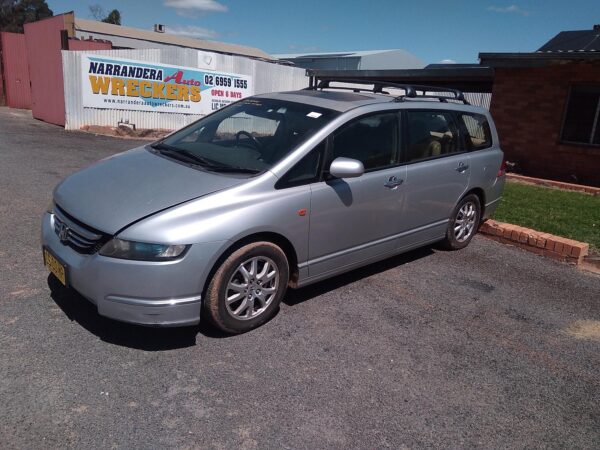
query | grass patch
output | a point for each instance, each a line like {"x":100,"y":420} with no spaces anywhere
{"x":568,"y":214}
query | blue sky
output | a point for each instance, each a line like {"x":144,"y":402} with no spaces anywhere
{"x":433,"y":30}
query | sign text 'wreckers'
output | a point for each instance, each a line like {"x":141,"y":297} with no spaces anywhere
{"x":137,"y":85}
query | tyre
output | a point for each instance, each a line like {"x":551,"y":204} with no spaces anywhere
{"x":463,"y":223}
{"x":247,"y":288}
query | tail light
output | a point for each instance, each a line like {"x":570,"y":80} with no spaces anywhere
{"x":502,"y":170}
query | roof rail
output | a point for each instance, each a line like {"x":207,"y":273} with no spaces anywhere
{"x":411,"y":90}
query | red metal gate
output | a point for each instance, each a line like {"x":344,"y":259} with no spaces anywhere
{"x":15,"y":70}
{"x":44,"y":44}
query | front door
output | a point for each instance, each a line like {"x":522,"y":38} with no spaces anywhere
{"x":356,"y":219}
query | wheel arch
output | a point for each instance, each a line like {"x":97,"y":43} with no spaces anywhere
{"x":480,"y":193}
{"x":268,"y":236}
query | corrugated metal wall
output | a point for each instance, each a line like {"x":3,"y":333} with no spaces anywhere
{"x":267,"y":77}
{"x":2,"y":95}
{"x":483,"y":99}
{"x":78,"y":44}
{"x":16,"y":70}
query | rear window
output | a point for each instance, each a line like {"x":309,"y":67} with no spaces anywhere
{"x":479,"y":135}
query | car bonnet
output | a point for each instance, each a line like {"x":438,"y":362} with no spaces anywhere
{"x":127,"y":187}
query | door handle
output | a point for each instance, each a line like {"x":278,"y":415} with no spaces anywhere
{"x":393,"y":183}
{"x":462,"y":167}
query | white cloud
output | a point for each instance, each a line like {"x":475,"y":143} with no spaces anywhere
{"x":205,"y":6}
{"x":192,"y":32}
{"x":514,"y":9}
{"x":447,"y":61}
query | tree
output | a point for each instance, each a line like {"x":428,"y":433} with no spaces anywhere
{"x":15,"y":13}
{"x":113,"y":17}
{"x":6,"y":10}
{"x":98,"y":13}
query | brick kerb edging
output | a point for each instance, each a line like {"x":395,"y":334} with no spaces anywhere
{"x":556,"y":184}
{"x":544,"y":244}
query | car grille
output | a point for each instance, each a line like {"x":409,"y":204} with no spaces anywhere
{"x":77,"y":235}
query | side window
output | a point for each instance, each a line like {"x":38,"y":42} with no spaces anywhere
{"x":478,"y":134}
{"x":372,"y":139}
{"x":430,"y":134}
{"x":306,"y":171}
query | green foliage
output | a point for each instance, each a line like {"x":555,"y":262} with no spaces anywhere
{"x":568,"y":214}
{"x":113,"y":17}
{"x":15,"y":13}
{"x":98,"y":13}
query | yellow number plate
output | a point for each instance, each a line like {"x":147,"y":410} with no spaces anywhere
{"x":55,"y":266}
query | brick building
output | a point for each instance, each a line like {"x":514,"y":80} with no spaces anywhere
{"x":546,"y":105}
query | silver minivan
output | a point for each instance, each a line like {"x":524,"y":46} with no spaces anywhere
{"x":286,"y":189}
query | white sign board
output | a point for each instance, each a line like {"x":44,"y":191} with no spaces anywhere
{"x":110,"y":83}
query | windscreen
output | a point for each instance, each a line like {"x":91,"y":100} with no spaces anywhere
{"x":249,"y":136}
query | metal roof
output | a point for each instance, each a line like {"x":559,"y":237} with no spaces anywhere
{"x":535,"y":59}
{"x":338,"y":54}
{"x":354,"y":60}
{"x":574,"y":41}
{"x":578,"y":45}
{"x":108,"y":29}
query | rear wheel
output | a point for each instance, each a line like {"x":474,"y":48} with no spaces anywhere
{"x":247,"y":288}
{"x":463,"y":223}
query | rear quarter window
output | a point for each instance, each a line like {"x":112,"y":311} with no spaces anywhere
{"x":477,"y":131}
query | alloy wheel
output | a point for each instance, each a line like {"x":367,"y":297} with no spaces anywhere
{"x":252,"y":288}
{"x":464,"y":224}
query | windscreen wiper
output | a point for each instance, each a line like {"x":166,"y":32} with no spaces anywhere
{"x":183,"y":155}
{"x":188,"y":156}
{"x":233,"y":169}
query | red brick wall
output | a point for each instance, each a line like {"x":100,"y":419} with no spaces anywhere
{"x":528,"y":107}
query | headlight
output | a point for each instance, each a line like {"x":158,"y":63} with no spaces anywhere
{"x":141,"y":251}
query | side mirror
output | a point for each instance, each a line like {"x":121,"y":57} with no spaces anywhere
{"x":346,"y":168}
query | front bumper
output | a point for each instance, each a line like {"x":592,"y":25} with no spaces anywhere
{"x":146,"y":293}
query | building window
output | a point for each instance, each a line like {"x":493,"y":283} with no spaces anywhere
{"x":582,"y":119}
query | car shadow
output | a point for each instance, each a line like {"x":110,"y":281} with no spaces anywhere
{"x":296,"y":296}
{"x":77,"y":308}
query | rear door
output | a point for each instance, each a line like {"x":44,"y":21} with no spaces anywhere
{"x":355,"y":219}
{"x":485,"y":158}
{"x":438,"y":171}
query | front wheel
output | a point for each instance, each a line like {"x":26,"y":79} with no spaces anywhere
{"x":247,"y":288}
{"x":463,"y":223}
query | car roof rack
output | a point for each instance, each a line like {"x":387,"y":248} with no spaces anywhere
{"x":412,"y":91}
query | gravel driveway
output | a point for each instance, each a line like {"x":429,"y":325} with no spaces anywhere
{"x":486,"y":347}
